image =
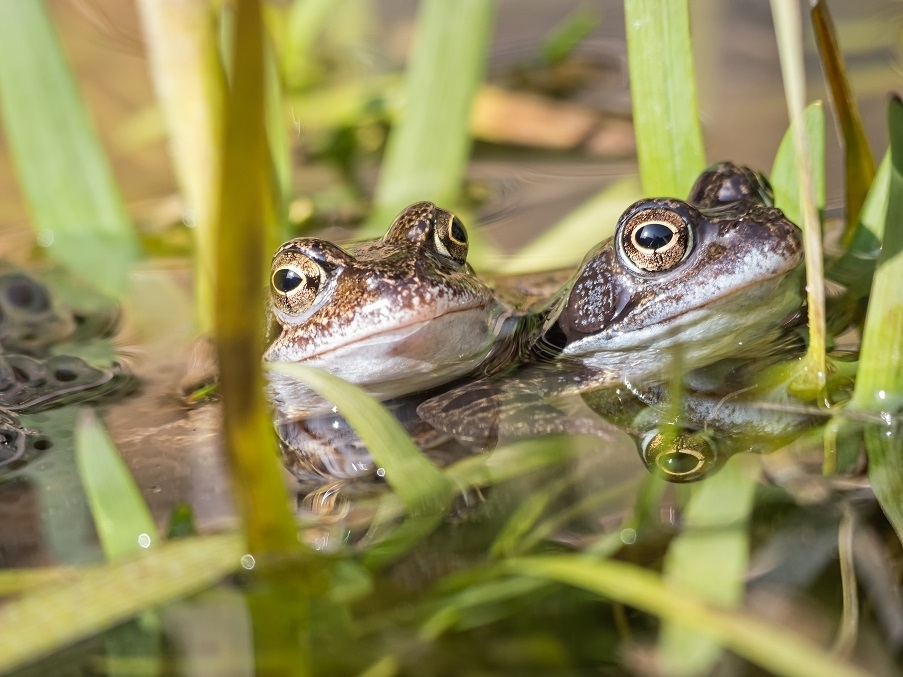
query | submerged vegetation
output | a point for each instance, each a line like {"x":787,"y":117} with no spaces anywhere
{"x":537,"y":556}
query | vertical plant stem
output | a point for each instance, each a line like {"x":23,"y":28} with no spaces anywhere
{"x":244,"y":211}
{"x":188,"y":78}
{"x":789,"y":32}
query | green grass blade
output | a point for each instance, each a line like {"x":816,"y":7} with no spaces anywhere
{"x":427,"y":150}
{"x":563,"y":39}
{"x":56,"y":616}
{"x":773,"y":648}
{"x":858,"y":161}
{"x":64,"y":175}
{"x":709,"y":559}
{"x":244,"y":204}
{"x":855,"y":268}
{"x":785,"y":177}
{"x":417,"y":481}
{"x":121,"y":517}
{"x":663,"y":91}
{"x":189,"y":82}
{"x":790,"y":48}
{"x":879,"y":382}
{"x":568,"y":241}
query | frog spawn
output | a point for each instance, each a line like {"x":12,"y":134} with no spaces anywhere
{"x":33,"y":379}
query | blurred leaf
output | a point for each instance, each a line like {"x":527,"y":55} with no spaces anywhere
{"x":427,"y":150}
{"x":567,"y":242}
{"x":244,"y":206}
{"x":564,"y":38}
{"x":859,"y":164}
{"x":785,"y":173}
{"x":856,"y":266}
{"x":663,"y":91}
{"x":774,"y":648}
{"x":64,"y":175}
{"x":190,"y":86}
{"x":879,"y":383}
{"x":63,"y":614}
{"x":419,"y":483}
{"x":709,"y":559}
{"x":121,"y":517}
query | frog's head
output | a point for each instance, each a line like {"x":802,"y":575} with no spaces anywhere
{"x":396,"y":315}
{"x":707,"y":279}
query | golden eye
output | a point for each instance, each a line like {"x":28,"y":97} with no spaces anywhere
{"x":295,"y":281}
{"x":655,"y":240}
{"x":680,"y":457}
{"x":450,"y":236}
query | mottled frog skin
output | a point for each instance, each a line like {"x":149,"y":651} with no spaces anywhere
{"x":708,"y":277}
{"x":694,"y":281}
{"x":395,"y":315}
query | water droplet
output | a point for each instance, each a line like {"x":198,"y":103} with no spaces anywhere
{"x":45,"y":238}
{"x":881,"y":394}
{"x":380,"y":472}
{"x":144,"y":540}
{"x":156,"y":488}
{"x":628,"y":536}
{"x":247,"y":562}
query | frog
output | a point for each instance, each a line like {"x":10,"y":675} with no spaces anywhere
{"x":680,"y":284}
{"x":397,"y":315}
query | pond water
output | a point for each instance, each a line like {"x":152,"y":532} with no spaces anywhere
{"x":583,"y":495}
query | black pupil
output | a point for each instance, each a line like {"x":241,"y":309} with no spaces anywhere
{"x":654,"y":236}
{"x":457,"y":231}
{"x":286,"y":279}
{"x":678,"y":463}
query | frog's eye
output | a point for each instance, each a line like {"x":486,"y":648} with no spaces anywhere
{"x":679,"y":457}
{"x":450,"y":237}
{"x":655,"y":240}
{"x":295,"y":281}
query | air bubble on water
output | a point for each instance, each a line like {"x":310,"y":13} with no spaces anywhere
{"x":380,"y":472}
{"x":247,"y":562}
{"x":628,"y":536}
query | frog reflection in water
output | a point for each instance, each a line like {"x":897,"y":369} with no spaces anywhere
{"x":687,"y":282}
{"x":33,"y":376}
{"x":397,"y":315}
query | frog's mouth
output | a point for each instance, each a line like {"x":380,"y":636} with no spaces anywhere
{"x":736,"y":318}
{"x":478,"y":314}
